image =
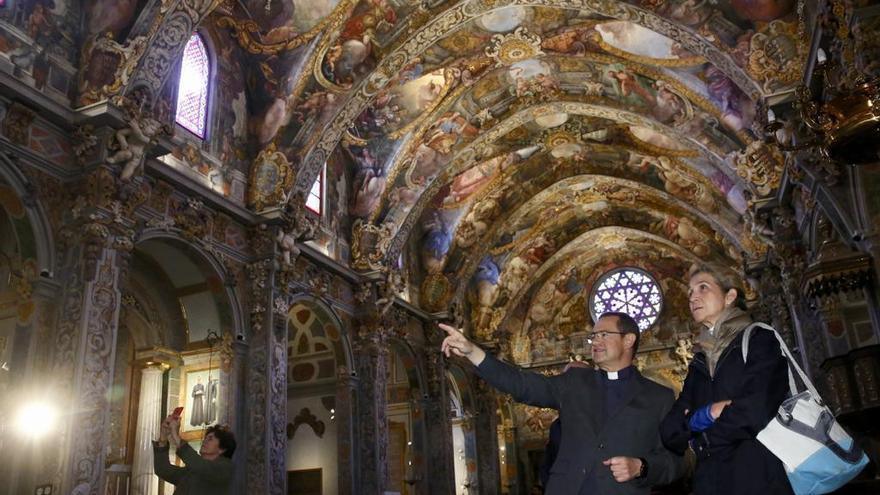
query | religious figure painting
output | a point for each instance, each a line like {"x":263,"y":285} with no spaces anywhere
{"x":201,"y":399}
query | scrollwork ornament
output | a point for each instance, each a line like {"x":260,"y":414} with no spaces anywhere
{"x":776,"y":57}
{"x":370,"y":244}
{"x":271,"y":179}
{"x":109,"y":54}
{"x":507,"y":49}
{"x":761,"y":166}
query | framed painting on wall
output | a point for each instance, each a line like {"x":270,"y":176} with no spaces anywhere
{"x":200,"y":395}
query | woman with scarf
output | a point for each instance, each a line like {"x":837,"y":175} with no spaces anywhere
{"x":725,"y":401}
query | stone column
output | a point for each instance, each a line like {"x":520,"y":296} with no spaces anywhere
{"x":83,"y":364}
{"x":346,"y":390}
{"x":373,"y":363}
{"x":485,"y":428}
{"x":267,"y":383}
{"x":143,"y":479}
{"x":440,"y":472}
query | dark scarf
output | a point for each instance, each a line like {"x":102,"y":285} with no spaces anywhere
{"x":728,"y":326}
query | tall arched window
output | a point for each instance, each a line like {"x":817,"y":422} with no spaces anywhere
{"x":192,"y":90}
{"x":315,"y":199}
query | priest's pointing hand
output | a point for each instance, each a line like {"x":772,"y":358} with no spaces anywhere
{"x":456,"y":343}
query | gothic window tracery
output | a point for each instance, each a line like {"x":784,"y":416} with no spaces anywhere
{"x":628,"y":290}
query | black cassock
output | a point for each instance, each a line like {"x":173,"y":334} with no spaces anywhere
{"x":198,"y":411}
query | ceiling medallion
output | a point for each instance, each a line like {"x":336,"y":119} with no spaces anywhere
{"x":559,"y":137}
{"x":507,"y":49}
{"x":568,"y":138}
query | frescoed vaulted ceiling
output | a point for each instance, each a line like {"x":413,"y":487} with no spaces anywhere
{"x":507,"y":154}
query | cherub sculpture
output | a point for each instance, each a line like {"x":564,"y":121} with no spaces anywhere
{"x":299,"y":227}
{"x":392,"y":285}
{"x":133,"y":142}
{"x":684,"y":353}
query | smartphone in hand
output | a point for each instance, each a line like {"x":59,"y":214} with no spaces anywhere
{"x":177,"y":412}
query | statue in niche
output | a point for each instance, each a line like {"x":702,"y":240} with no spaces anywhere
{"x":133,"y":142}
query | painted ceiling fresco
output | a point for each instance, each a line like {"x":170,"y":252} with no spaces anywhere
{"x":508,"y":152}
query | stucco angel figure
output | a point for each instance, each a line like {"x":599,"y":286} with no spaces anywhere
{"x":393,"y":285}
{"x":684,"y":353}
{"x":299,"y":228}
{"x":133,"y":142}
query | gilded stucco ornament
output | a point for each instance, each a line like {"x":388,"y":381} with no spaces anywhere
{"x":246,"y":32}
{"x":761,"y":166}
{"x":369,"y":244}
{"x":271,"y":178}
{"x":17,"y":123}
{"x":507,"y":49}
{"x":107,"y":54}
{"x":435,"y":292}
{"x":776,"y":56}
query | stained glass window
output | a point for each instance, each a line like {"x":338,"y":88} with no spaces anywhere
{"x":192,"y":92}
{"x":628,"y":290}
{"x":314,"y":201}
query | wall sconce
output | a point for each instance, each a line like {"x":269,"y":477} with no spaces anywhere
{"x":845,"y":128}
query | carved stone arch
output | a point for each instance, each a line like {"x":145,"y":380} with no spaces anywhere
{"x":415,"y":452}
{"x":464,"y":387}
{"x":417,"y":377}
{"x":327,"y":308}
{"x":237,"y":326}
{"x":42,"y":235}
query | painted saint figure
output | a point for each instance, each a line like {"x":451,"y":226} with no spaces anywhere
{"x":198,"y":408}
{"x":211,"y":406}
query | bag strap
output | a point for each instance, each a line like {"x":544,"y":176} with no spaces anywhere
{"x":792,"y":385}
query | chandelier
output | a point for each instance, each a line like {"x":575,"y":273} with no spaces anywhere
{"x":846,"y":128}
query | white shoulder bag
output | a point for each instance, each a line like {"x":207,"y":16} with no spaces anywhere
{"x":819,"y":456}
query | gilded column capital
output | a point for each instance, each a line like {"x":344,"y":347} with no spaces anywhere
{"x":157,"y":357}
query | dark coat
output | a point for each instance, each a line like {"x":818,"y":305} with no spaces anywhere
{"x":550,"y":452}
{"x":730,"y":460}
{"x":588,"y":437}
{"x":199,"y":476}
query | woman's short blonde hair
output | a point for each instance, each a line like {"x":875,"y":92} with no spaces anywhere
{"x":724,"y":279}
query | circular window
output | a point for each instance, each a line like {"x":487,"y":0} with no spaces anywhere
{"x":627,"y":290}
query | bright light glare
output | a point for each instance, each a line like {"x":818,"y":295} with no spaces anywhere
{"x":36,"y":419}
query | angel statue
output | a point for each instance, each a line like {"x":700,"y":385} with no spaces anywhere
{"x":133,"y":142}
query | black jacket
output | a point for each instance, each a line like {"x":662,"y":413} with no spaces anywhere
{"x":588,"y":437}
{"x":199,"y":476}
{"x":730,"y":460}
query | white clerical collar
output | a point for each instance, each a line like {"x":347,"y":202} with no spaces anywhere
{"x":612,"y":375}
